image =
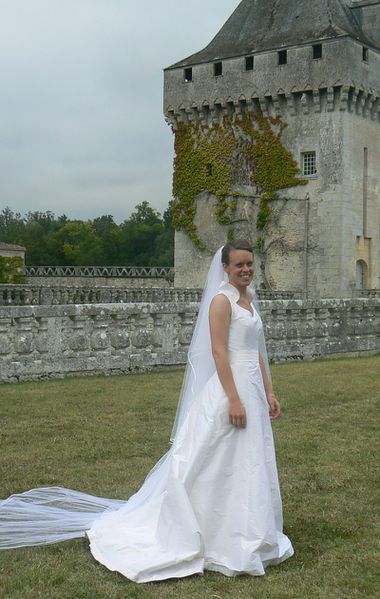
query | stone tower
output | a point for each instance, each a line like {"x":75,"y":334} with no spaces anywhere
{"x":277,"y":138}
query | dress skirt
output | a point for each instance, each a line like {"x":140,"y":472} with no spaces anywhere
{"x":212,"y":502}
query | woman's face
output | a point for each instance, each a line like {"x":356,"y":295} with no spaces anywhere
{"x":240,"y":269}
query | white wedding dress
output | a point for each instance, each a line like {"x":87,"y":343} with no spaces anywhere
{"x":213,"y":501}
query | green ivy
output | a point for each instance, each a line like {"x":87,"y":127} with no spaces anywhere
{"x":202,"y":163}
{"x":274,"y":167}
{"x":259,"y":245}
{"x":11,"y":269}
{"x":207,"y":160}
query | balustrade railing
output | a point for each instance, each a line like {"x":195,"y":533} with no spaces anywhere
{"x":24,"y":295}
{"x":141,"y":272}
{"x":270,"y":294}
{"x":366,"y":293}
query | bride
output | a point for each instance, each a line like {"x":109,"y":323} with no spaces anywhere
{"x":213,"y":501}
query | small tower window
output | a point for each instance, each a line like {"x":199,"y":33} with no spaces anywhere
{"x":365,"y":54}
{"x":317,"y":51}
{"x":188,"y":74}
{"x":218,"y":69}
{"x":209,"y":169}
{"x":309,"y":164}
{"x":249,"y":63}
{"x":361,"y":275}
{"x":282,"y":57}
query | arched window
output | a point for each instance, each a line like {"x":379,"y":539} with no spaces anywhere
{"x":361,"y":275}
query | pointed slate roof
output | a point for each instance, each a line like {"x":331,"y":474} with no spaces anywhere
{"x":258,"y":25}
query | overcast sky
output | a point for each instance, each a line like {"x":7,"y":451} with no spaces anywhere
{"x":81,"y":124}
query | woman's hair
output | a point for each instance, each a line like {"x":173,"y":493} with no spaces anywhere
{"x":237,"y":244}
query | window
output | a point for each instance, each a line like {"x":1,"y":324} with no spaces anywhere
{"x":282,"y":57}
{"x":317,"y":51}
{"x":309,"y":164}
{"x":361,"y":275}
{"x":209,"y":169}
{"x":218,"y":69}
{"x":249,"y":62}
{"x":188,"y":75}
{"x":365,"y":54}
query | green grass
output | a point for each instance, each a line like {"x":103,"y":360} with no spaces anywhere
{"x":102,"y":435}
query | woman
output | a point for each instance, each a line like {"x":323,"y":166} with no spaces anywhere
{"x":213,"y":501}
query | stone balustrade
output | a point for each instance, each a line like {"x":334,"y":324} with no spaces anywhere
{"x":25,"y":295}
{"x":42,"y":341}
{"x":366,"y":293}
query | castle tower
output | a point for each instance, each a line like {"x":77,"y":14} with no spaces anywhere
{"x":285,"y":84}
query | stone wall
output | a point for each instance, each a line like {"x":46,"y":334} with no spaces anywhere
{"x":39,"y":342}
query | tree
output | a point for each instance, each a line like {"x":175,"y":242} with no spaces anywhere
{"x":77,"y":244}
{"x":11,"y":226}
{"x":38,"y":229}
{"x":145,"y":239}
{"x":145,"y":214}
{"x":165,"y":241}
{"x":107,"y":230}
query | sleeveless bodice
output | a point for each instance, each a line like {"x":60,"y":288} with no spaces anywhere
{"x":245,"y":328}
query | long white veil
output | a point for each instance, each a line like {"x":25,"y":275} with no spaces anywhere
{"x":200,"y":364}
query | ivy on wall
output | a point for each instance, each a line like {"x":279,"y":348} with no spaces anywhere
{"x":11,"y":269}
{"x":202,"y":163}
{"x":217,"y":158}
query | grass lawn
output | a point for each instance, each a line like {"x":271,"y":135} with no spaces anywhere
{"x":102,"y":435}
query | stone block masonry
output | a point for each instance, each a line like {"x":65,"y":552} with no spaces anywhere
{"x":39,"y":342}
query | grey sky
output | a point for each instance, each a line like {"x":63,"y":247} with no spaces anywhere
{"x":81,"y":124}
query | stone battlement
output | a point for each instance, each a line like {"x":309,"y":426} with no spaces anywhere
{"x":362,"y":102}
{"x":339,"y":80}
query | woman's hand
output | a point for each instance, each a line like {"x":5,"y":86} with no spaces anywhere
{"x":237,"y":414}
{"x":274,"y":406}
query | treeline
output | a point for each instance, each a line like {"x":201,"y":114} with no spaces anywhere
{"x":146,"y":238}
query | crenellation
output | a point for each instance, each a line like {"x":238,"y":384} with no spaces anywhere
{"x":278,"y":105}
{"x":316,"y":101}
{"x":362,"y":102}
{"x":330,"y":99}
{"x":305,"y":103}
{"x":372,"y":105}
{"x":344,"y":98}
{"x":263,"y":106}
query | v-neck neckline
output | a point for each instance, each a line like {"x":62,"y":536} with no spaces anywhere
{"x":246,"y":310}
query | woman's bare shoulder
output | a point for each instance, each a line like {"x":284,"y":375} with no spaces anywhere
{"x":220,"y":304}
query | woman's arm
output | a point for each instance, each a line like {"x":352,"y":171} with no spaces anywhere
{"x":274,"y":404}
{"x":220,"y":318}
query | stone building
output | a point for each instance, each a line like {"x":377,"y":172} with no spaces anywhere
{"x":12,"y":250}
{"x":289,"y":84}
{"x":12,"y":260}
